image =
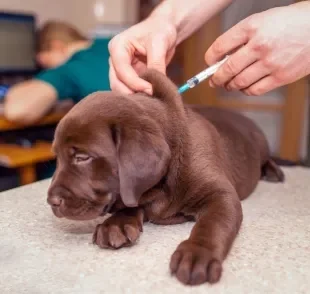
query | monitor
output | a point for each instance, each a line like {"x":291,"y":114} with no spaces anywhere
{"x":17,"y":43}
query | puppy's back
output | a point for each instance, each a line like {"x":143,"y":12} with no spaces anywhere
{"x":236,"y":127}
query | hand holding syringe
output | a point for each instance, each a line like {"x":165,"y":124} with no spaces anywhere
{"x":194,"y":81}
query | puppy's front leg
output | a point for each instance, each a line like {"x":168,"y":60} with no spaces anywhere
{"x":199,"y":259}
{"x":121,"y":229}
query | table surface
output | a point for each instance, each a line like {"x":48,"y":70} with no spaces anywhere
{"x":42,"y":254}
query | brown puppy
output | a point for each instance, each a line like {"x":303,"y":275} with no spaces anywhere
{"x":145,"y":158}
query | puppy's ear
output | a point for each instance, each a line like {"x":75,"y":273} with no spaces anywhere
{"x":143,"y":158}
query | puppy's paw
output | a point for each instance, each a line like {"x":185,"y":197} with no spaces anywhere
{"x":117,"y":232}
{"x":193,"y":264}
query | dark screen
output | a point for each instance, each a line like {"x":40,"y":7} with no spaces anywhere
{"x":17,"y":43}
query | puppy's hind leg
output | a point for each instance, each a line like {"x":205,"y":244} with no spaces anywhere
{"x":271,"y":172}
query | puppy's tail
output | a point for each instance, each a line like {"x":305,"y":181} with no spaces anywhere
{"x":165,"y":90}
{"x":271,"y":172}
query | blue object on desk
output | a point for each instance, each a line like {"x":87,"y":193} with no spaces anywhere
{"x":3,"y":91}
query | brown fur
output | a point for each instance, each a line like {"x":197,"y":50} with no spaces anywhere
{"x":154,"y":159}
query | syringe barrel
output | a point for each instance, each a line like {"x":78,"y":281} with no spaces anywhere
{"x":210,"y":70}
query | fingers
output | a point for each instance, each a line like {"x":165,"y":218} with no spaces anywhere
{"x":229,"y":41}
{"x":154,"y":49}
{"x":263,"y":86}
{"x":121,"y":64}
{"x":235,"y":64}
{"x":115,"y":83}
{"x":170,"y":55}
{"x":248,"y":76}
{"x":157,"y":49}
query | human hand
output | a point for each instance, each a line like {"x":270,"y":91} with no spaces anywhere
{"x":271,"y":49}
{"x":149,"y":44}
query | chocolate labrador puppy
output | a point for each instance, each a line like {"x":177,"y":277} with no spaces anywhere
{"x":151,"y":158}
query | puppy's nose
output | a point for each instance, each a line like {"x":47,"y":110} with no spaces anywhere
{"x":54,"y":200}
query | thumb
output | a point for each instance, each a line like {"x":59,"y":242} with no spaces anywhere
{"x":157,"y":49}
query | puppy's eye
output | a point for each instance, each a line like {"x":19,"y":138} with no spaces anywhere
{"x":81,"y":158}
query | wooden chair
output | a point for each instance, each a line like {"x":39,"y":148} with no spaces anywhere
{"x":25,"y":159}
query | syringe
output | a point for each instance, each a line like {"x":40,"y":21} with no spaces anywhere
{"x":195,"y":80}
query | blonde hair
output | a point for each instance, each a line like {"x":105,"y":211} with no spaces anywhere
{"x":57,"y":30}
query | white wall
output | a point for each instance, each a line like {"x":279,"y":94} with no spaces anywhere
{"x":77,"y":12}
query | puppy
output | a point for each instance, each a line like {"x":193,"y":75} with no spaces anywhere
{"x":142,"y":158}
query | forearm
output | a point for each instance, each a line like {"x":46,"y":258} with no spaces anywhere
{"x":188,"y":16}
{"x":29,"y":101}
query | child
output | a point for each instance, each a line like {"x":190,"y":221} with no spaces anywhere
{"x":74,"y":67}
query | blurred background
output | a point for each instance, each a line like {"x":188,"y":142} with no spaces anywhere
{"x":25,"y":154}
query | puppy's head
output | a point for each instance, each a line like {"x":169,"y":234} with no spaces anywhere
{"x":108,"y":148}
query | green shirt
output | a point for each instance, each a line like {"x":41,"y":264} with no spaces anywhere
{"x":87,"y":71}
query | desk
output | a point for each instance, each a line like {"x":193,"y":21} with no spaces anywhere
{"x":25,"y":159}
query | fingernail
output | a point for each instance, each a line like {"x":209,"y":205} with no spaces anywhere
{"x":211,"y":84}
{"x":148,"y":91}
